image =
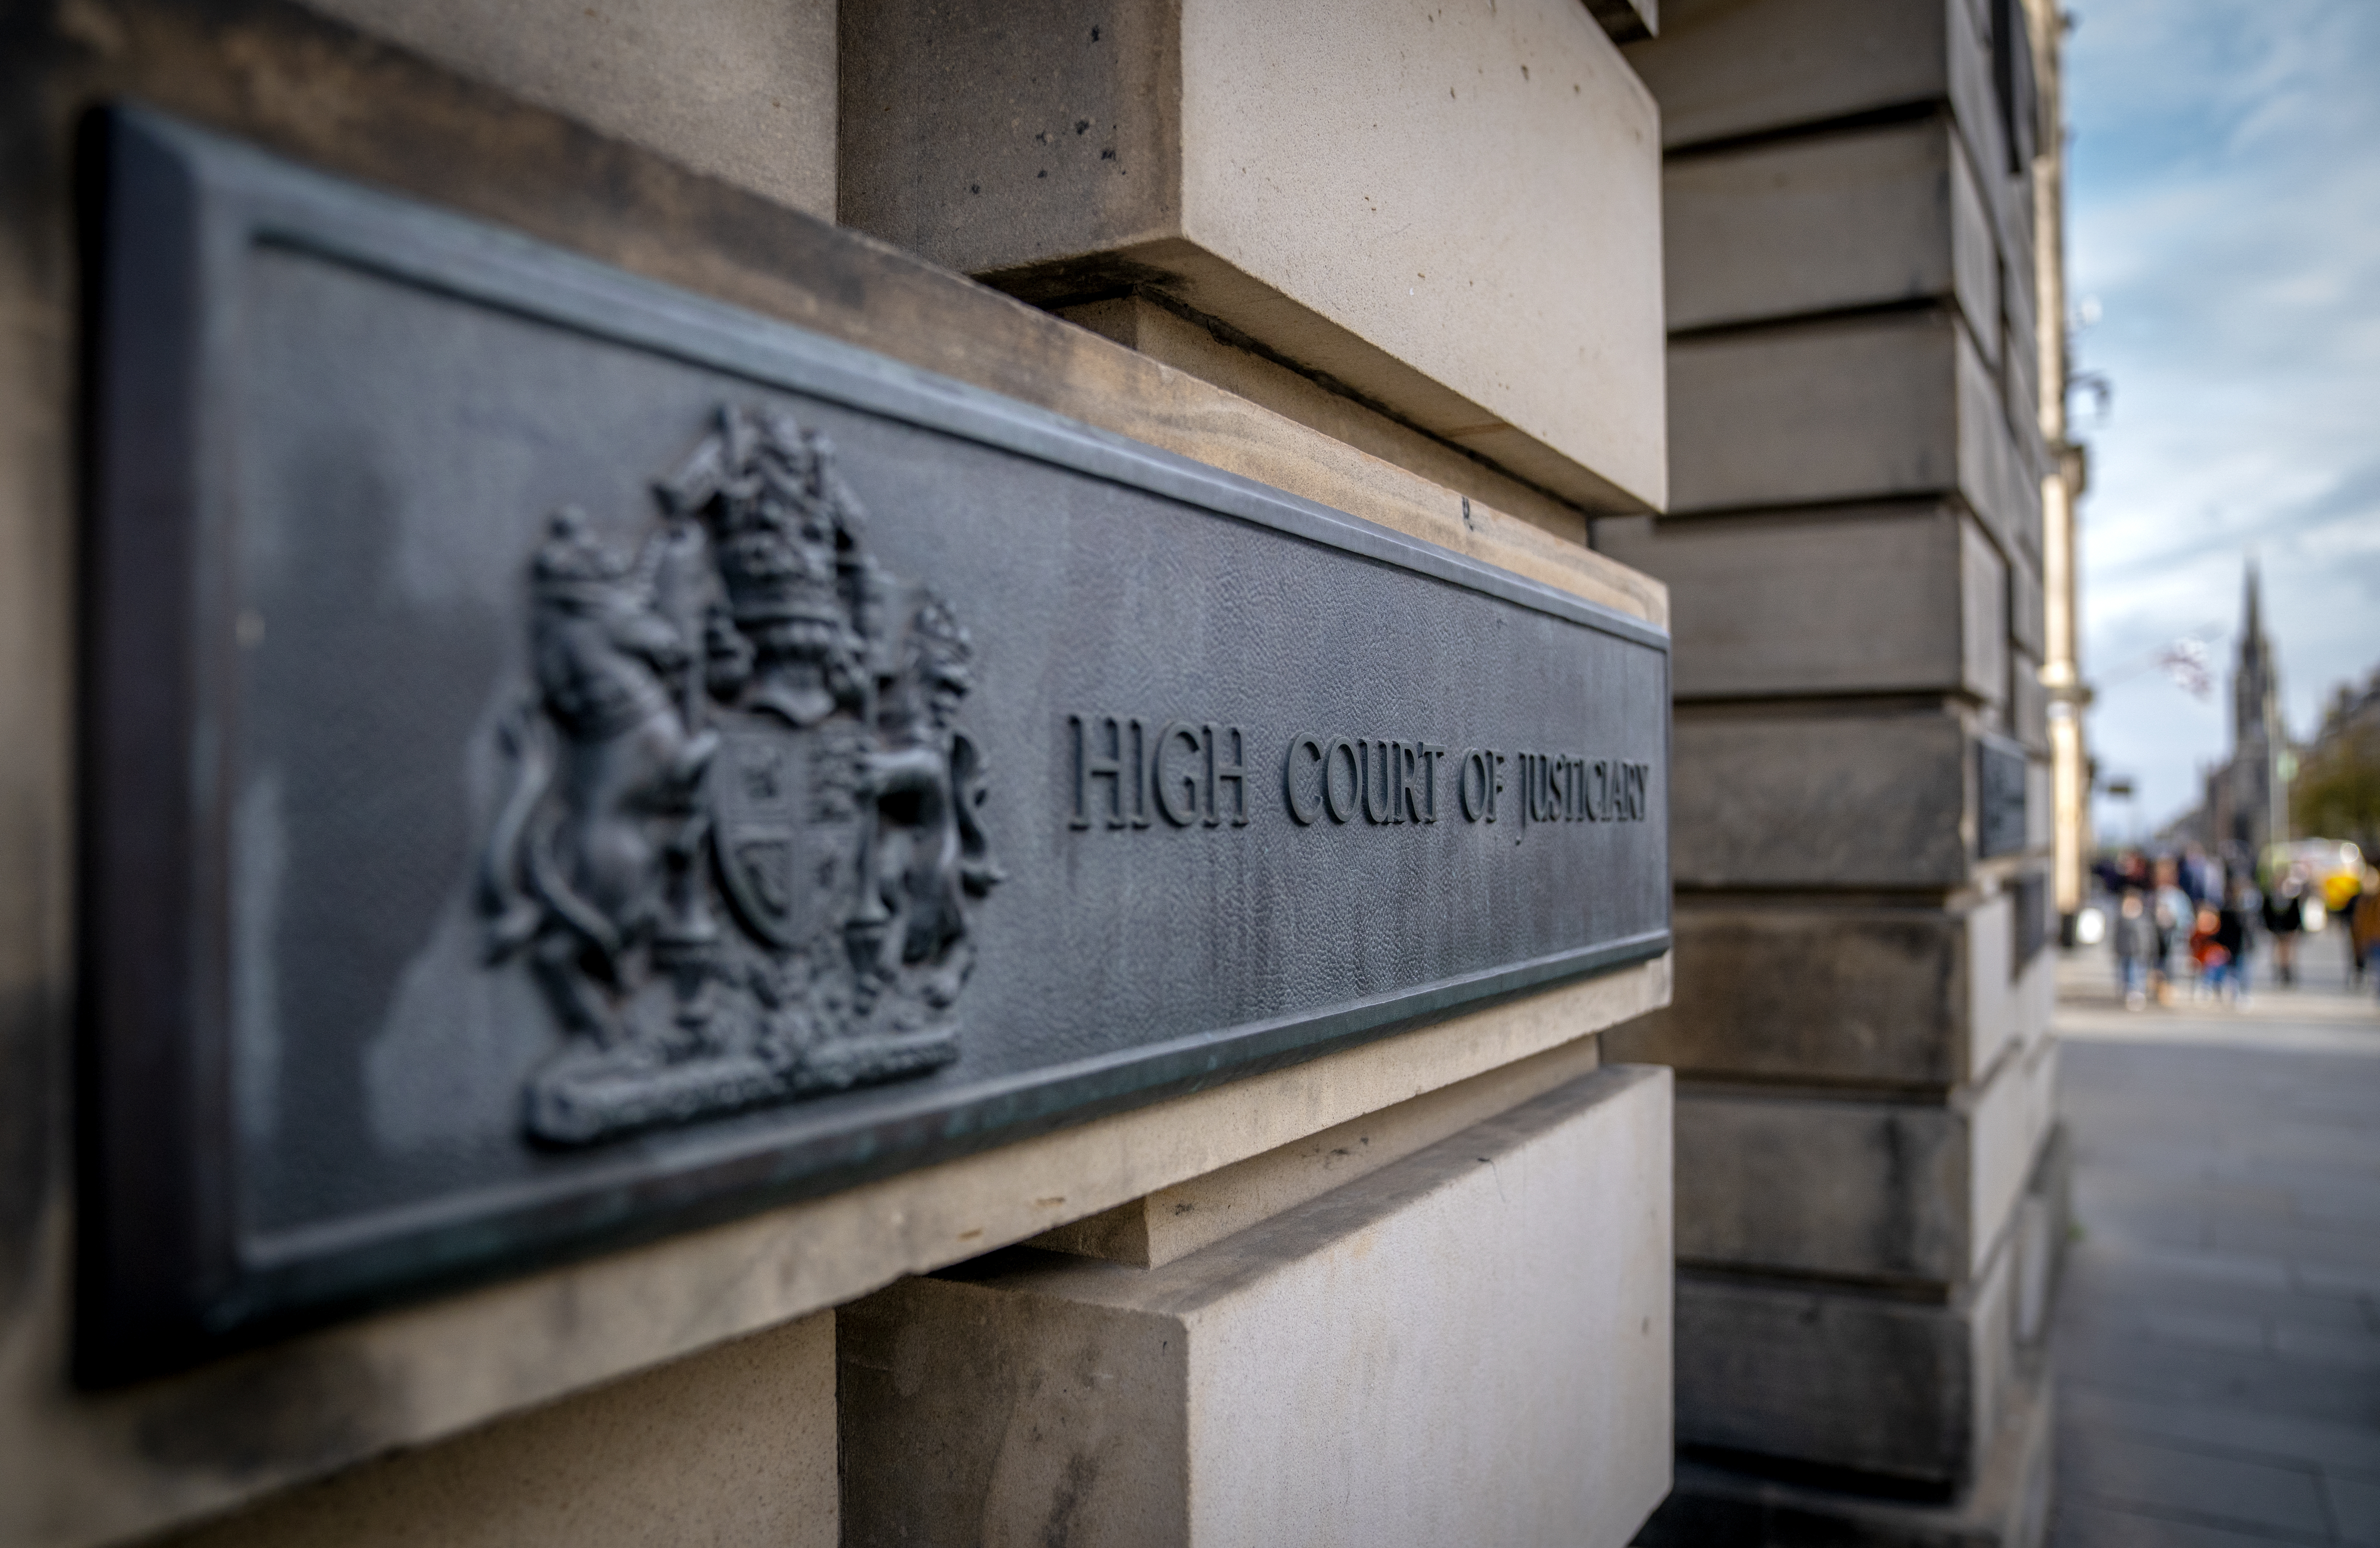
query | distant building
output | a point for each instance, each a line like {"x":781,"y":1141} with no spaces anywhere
{"x":2335,"y":793}
{"x":2246,"y":804}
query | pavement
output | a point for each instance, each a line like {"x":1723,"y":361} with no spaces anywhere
{"x":2218,"y":1340}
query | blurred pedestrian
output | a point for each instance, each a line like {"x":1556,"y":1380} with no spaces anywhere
{"x":2207,"y":956}
{"x":2231,"y":940}
{"x":2284,"y":911}
{"x":2174,"y":915}
{"x":2202,"y":877}
{"x":2136,"y":941}
{"x":2363,"y":927}
{"x":2112,"y":872}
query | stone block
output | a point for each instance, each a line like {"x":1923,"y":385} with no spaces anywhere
{"x":2043,"y":1232}
{"x":1799,"y":416}
{"x":1976,"y":107}
{"x":2009,"y":1119}
{"x":2007,"y":1505}
{"x":1983,"y":617}
{"x":2040,"y":815}
{"x":1842,"y":995}
{"x":2021,"y":380}
{"x":1867,"y":217}
{"x":2020,"y":294}
{"x":1975,"y":239}
{"x":1897,"y":598}
{"x":1892,"y":1192}
{"x":1999,"y":475}
{"x":1830,"y":1376}
{"x":1404,"y":201}
{"x":1871,"y":800}
{"x":1898,"y":405}
{"x":1998,"y":1016}
{"x":1792,"y":1183}
{"x":2029,"y":714}
{"x":2036,"y":992}
{"x":733,"y":1446}
{"x":2027,"y":609}
{"x":742,"y":90}
{"x":1471,"y":1345}
{"x":1722,"y":69}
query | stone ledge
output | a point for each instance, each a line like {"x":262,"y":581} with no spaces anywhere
{"x":1156,"y":1228}
{"x":733,"y":1446}
{"x":1347,"y":1371}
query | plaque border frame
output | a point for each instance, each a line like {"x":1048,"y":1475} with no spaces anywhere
{"x":165,"y":1276}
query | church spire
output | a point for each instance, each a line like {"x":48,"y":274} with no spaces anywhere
{"x":2251,"y":668}
{"x":2251,"y":629}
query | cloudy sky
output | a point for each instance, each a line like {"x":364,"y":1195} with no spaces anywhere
{"x":2224,"y":225}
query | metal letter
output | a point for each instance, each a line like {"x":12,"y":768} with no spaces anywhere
{"x":1139,"y":729}
{"x":1088,"y":767}
{"x":1181,"y":816}
{"x":1354,"y":779}
{"x":1299,"y":812}
{"x":1379,"y":798}
{"x":1234,"y":774}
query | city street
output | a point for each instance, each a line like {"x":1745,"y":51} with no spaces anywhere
{"x":2219,"y":1329}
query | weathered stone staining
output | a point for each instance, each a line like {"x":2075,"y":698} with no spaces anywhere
{"x":1196,"y":774}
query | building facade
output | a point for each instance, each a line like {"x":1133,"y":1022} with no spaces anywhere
{"x":1867,"y":539}
{"x":1568,"y":308}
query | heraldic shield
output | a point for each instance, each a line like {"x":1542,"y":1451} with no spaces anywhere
{"x":743,"y":833}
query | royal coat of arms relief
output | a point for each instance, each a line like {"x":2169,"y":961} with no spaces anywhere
{"x":743,"y":833}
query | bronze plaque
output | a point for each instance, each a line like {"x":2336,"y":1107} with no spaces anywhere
{"x":568,"y":761}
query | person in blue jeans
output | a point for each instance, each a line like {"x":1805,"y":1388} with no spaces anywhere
{"x":2231,"y":938}
{"x":2137,"y":940}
